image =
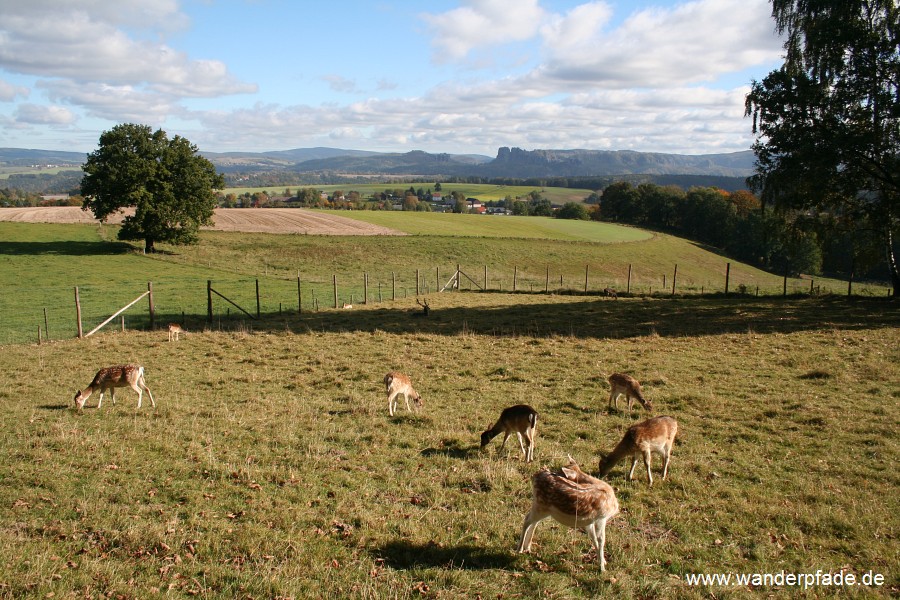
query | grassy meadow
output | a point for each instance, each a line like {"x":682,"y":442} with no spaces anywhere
{"x":270,"y":467}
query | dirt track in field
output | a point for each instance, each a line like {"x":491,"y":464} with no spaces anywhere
{"x":260,"y":220}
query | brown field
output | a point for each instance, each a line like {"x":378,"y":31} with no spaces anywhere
{"x":270,"y":220}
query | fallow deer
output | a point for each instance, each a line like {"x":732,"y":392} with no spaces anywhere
{"x":347,"y":306}
{"x":575,"y":499}
{"x":110,"y":378}
{"x":642,"y":440}
{"x":621,"y":383}
{"x":174,"y":331}
{"x":520,"y":419}
{"x":396,"y":383}
{"x":610,"y":293}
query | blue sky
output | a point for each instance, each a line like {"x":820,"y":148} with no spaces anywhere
{"x":460,"y":76}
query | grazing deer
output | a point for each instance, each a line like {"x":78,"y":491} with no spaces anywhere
{"x":653,"y":435}
{"x":174,"y":331}
{"x":628,"y":385}
{"x":110,"y":378}
{"x":575,"y":499}
{"x":396,"y":383}
{"x":610,"y":293}
{"x":519,"y":419}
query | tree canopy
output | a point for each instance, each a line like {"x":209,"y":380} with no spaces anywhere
{"x":171,"y":186}
{"x":828,"y":121}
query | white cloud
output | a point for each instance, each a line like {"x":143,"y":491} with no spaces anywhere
{"x":9,"y":92}
{"x":35,"y":114}
{"x":340,"y":84}
{"x":84,"y":41}
{"x":477,"y":23}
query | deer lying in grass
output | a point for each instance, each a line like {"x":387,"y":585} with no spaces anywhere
{"x":621,"y":383}
{"x":396,"y":383}
{"x":110,"y":378}
{"x":520,"y":419}
{"x":643,"y":439}
{"x":575,"y":499}
{"x":174,"y":331}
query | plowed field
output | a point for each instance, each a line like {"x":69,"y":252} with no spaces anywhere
{"x":268,"y":220}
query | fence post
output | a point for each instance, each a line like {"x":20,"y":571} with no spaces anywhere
{"x":437,"y":279}
{"x":152,"y":308}
{"x":334,"y":288}
{"x":784,"y":290}
{"x":417,"y":282}
{"x":628,"y":289}
{"x":674,"y":277}
{"x":727,"y":276}
{"x":78,"y":312}
{"x":299,"y":297}
{"x":458,"y":276}
{"x":393,"y":286}
{"x":515,"y":276}
{"x":209,"y":301}
{"x":366,"y":289}
{"x":585,"y":278}
{"x":850,"y":284}
{"x":811,"y":287}
{"x":257,"y":297}
{"x":46,"y":325}
{"x":123,"y":323}
{"x":547,"y":281}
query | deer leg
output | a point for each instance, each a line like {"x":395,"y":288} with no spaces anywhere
{"x":406,"y":397}
{"x":522,"y":446}
{"x":634,"y":460}
{"x":531,"y":521}
{"x":647,"y":458}
{"x":505,"y":437}
{"x":143,"y":387}
{"x":391,"y":404}
{"x":100,"y":400}
{"x":666,"y":458}
{"x":529,"y":436}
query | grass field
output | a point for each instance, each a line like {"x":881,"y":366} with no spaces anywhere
{"x":483,"y":191}
{"x":42,"y":264}
{"x":270,"y":468}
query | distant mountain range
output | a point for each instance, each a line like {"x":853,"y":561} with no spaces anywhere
{"x":509,"y":163}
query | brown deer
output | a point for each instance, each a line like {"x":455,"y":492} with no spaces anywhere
{"x":174,"y":331}
{"x":621,"y":383}
{"x":110,"y":378}
{"x":425,"y":308}
{"x":575,"y":499}
{"x":611,"y":293}
{"x":643,"y":439}
{"x":520,"y":419}
{"x":396,"y":383}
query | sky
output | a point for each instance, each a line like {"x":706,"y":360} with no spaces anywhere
{"x":456,"y":76}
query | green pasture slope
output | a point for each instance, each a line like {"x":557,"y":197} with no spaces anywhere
{"x":42,"y":265}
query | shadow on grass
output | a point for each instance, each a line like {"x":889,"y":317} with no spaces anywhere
{"x":452,"y":449}
{"x":405,"y":555}
{"x":53,"y":406}
{"x":65,"y":248}
{"x":597,"y":318}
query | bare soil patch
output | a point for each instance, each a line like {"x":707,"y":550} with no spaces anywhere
{"x":262,"y":220}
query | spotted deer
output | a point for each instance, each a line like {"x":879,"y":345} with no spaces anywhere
{"x":572,"y":498}
{"x":621,"y":383}
{"x":396,"y":383}
{"x":110,"y":378}
{"x":642,"y":440}
{"x":520,"y":419}
{"x":174,"y":331}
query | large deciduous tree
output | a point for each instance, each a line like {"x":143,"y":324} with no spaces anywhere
{"x":171,"y":186}
{"x":828,"y":121}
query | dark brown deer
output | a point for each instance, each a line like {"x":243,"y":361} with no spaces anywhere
{"x":520,"y":419}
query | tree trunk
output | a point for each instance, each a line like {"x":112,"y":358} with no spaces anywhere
{"x":892,"y":264}
{"x":149,"y":248}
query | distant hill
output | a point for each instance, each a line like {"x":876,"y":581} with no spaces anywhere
{"x":21,"y":157}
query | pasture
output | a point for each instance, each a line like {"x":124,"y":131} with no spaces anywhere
{"x":271,"y":469}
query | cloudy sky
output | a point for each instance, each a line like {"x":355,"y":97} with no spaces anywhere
{"x":458,"y":76}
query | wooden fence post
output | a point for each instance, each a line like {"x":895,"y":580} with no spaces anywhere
{"x":674,"y":277}
{"x":393,"y":286}
{"x":585,"y":278}
{"x":46,"y":325}
{"x":417,"y":282}
{"x":78,"y":313}
{"x":366,"y":289}
{"x":257,"y":297}
{"x":299,"y":297}
{"x":727,"y":276}
{"x":485,"y":278}
{"x":628,"y":289}
{"x":437,"y":279}
{"x":784,"y":290}
{"x":850,"y":284}
{"x":458,"y":276}
{"x":547,"y":281}
{"x":209,"y":301}
{"x":334,"y":288}
{"x":515,"y":276}
{"x":152,"y":307}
